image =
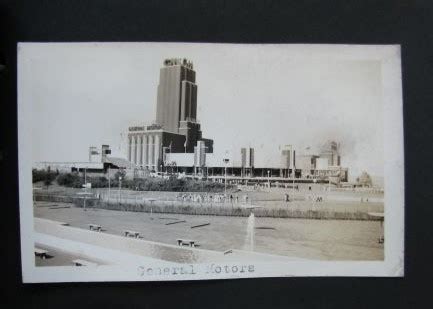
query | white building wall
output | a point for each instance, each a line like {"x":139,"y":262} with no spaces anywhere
{"x":157,"y":151}
{"x":129,"y":148}
{"x":181,"y":159}
{"x":304,"y":162}
{"x":322,"y":163}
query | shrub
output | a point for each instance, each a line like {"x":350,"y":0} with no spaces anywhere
{"x":120,"y":173}
{"x":70,"y":180}
{"x":43,"y":175}
{"x":142,"y":184}
{"x":98,"y":182}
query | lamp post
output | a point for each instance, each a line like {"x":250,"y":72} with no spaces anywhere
{"x":85,"y":189}
{"x":109,"y":185}
{"x":225,"y":180}
{"x":85,"y":198}
{"x":225,"y":175}
{"x":120,"y":186}
{"x":269,"y":180}
{"x":293,"y":170}
{"x":293,"y":186}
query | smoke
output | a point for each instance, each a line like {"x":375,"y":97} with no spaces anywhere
{"x":356,"y":152}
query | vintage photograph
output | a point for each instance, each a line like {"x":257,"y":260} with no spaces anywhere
{"x":182,"y":161}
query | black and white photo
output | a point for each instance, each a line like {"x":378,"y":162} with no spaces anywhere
{"x":181,"y":161}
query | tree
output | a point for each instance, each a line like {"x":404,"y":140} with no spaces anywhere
{"x":120,"y":173}
{"x":47,"y":182}
{"x":46,"y":176}
{"x":70,"y":180}
{"x":49,"y":177}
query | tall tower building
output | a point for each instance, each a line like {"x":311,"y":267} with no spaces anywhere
{"x":176,"y":129}
{"x":177,"y":95}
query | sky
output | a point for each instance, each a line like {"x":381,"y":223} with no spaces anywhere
{"x":262,"y":96}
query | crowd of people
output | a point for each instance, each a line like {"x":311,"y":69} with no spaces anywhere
{"x":230,"y":198}
{"x":212,"y":198}
{"x":315,"y":198}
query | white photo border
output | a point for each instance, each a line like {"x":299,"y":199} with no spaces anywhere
{"x":391,"y":266}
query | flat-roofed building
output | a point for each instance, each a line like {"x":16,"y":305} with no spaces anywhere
{"x":306,"y":164}
{"x":247,"y":162}
{"x":331,"y":151}
{"x":322,"y":163}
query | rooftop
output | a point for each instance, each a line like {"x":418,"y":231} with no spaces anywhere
{"x":178,"y":61}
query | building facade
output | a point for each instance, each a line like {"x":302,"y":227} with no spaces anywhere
{"x":176,"y":129}
{"x":175,"y":142}
{"x":331,"y":151}
{"x":306,"y":164}
{"x":177,"y":95}
{"x":247,"y":162}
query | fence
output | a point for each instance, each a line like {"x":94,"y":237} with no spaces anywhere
{"x":173,"y":207}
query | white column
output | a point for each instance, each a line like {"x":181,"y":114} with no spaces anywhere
{"x":134,"y":149}
{"x":149,"y":151}
{"x":152,"y":151}
{"x":129,"y":148}
{"x":145,"y":151}
{"x":140,"y":149}
{"x":157,"y":148}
